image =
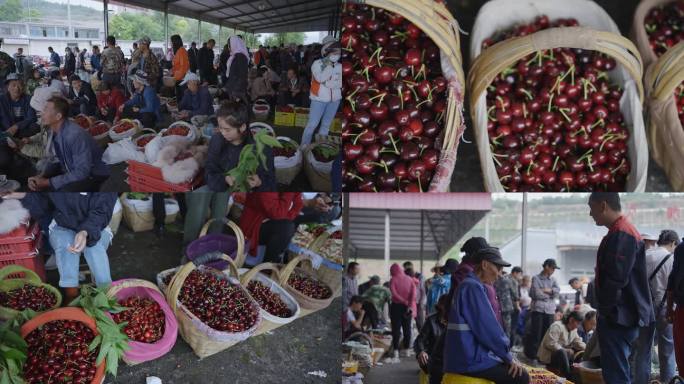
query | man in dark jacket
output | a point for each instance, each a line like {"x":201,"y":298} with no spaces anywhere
{"x":206,"y":63}
{"x":55,"y":60}
{"x":82,"y":99}
{"x":17,"y":122}
{"x":193,"y":53}
{"x":429,"y":344}
{"x":80,"y":167}
{"x":80,"y":226}
{"x":675,"y":295}
{"x":622,"y":290}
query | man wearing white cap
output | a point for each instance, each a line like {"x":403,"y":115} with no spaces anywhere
{"x":197,"y":101}
{"x":144,"y":104}
{"x":650,"y":240}
{"x":326,"y":89}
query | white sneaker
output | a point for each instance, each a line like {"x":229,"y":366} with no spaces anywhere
{"x":51,"y":263}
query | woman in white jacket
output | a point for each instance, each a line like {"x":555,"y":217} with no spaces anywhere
{"x":326,"y":90}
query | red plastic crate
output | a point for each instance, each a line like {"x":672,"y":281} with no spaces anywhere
{"x":145,"y":183}
{"x":31,"y":260}
{"x":21,"y":230}
{"x":144,"y":169}
{"x":21,"y":240}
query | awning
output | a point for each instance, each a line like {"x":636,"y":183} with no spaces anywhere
{"x":264,"y":16}
{"x":445,"y":219}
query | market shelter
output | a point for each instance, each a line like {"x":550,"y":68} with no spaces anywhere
{"x":402,"y":227}
{"x":270,"y":16}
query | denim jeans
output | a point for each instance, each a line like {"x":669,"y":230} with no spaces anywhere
{"x":67,"y":262}
{"x":336,"y":177}
{"x":666,"y":356}
{"x":642,"y":354}
{"x":616,"y":342}
{"x":322,"y":113}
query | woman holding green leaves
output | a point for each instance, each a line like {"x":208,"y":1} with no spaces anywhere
{"x":237,"y":161}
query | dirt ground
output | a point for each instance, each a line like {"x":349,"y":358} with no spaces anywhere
{"x":286,"y":356}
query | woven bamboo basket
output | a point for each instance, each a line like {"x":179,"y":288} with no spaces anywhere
{"x":331,"y":277}
{"x":30,"y":278}
{"x":304,"y":301}
{"x":205,"y":342}
{"x":601,"y":35}
{"x":435,"y":20}
{"x":273,"y":284}
{"x":638,"y":33}
{"x":665,"y":130}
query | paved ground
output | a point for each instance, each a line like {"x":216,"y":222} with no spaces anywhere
{"x":467,"y":175}
{"x":285,"y":356}
{"x":405,"y":372}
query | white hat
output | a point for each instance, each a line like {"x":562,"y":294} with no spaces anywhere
{"x":190,"y":76}
{"x":648,"y":236}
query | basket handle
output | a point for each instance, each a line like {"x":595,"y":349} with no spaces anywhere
{"x":128,"y":283}
{"x":666,"y":74}
{"x":240,"y":254}
{"x":249,"y":275}
{"x":174,"y":288}
{"x":500,"y":56}
{"x":29,"y":275}
{"x":148,"y":130}
{"x":319,"y":241}
{"x":287,"y":270}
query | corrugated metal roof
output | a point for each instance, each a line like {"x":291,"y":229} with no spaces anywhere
{"x":425,"y":201}
{"x":253,"y":16}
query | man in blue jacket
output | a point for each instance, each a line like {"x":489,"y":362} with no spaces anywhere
{"x":55,"y":60}
{"x":79,"y":167}
{"x":17,"y":122}
{"x":144,"y":104}
{"x":79,"y":225}
{"x":622,"y":291}
{"x":476,"y":344}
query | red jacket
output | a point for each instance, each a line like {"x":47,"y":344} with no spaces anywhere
{"x":267,"y":206}
{"x":113,"y":100}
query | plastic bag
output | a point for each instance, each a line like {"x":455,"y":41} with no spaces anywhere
{"x":152,"y":148}
{"x":122,"y":150}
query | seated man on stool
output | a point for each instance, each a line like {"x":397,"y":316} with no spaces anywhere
{"x":79,"y":167}
{"x":18,"y":122}
{"x":144,"y":104}
{"x":560,"y":344}
{"x":80,"y":225}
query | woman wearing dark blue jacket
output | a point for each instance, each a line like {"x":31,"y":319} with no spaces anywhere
{"x":225,"y":147}
{"x":79,"y":225}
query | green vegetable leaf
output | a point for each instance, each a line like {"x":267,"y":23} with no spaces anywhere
{"x":93,"y":344}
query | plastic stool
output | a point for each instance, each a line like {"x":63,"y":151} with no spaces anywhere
{"x":455,"y":378}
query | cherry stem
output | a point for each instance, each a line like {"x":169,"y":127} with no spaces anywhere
{"x":489,"y":113}
{"x":355,"y":176}
{"x":525,"y":109}
{"x":526,"y":93}
{"x":420,"y":186}
{"x":622,"y":163}
{"x":565,"y":115}
{"x":503,"y":105}
{"x":555,"y":163}
{"x":585,"y":155}
{"x":550,"y":102}
{"x":394,"y":144}
{"x":381,"y":164}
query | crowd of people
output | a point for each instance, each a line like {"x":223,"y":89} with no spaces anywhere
{"x":476,"y":320}
{"x":79,"y":224}
{"x":107,"y":86}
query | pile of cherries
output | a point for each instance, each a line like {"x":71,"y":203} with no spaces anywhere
{"x":288,"y":149}
{"x":58,"y":353}
{"x":309,"y":287}
{"x":28,"y":297}
{"x":218,"y":303}
{"x":270,"y":301}
{"x":395,"y":101}
{"x":554,"y":119}
{"x":146,"y":320}
{"x":665,"y":28}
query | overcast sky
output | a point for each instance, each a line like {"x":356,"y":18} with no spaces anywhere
{"x":309,"y":38}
